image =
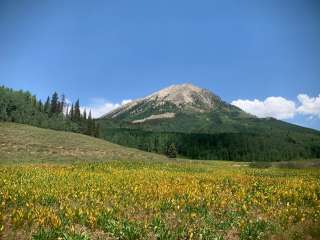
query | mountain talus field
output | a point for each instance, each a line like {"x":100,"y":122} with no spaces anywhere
{"x":58,"y":185}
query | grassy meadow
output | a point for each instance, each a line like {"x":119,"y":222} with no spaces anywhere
{"x":57,"y":185}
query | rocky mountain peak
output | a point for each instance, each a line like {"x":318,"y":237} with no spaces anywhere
{"x":178,"y":94}
{"x":184,"y":94}
{"x":184,"y":97}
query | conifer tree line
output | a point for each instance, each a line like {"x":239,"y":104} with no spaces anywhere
{"x":54,"y":113}
{"x":222,"y":146}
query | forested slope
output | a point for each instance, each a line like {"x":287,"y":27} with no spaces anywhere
{"x":276,"y":145}
{"x":54,"y":113}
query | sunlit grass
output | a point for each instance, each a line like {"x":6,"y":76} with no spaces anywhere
{"x":143,"y":200}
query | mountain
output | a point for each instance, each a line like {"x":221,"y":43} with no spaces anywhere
{"x":178,"y":108}
{"x":189,"y":109}
{"x":203,"y":126}
{"x":169,"y":102}
{"x":176,"y":98}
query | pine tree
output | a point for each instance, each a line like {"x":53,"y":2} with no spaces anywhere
{"x":84,"y":115}
{"x":46,"y":107}
{"x":172,"y":151}
{"x":58,"y":107}
{"x":40,"y":106}
{"x":3,"y":112}
{"x":90,"y":126}
{"x":34,"y":101}
{"x":77,"y":113}
{"x":72,"y":112}
{"x":96,"y":129}
{"x":54,"y":103}
{"x":62,"y":103}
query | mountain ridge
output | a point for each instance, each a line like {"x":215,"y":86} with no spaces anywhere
{"x":180,"y":98}
{"x":203,"y":126}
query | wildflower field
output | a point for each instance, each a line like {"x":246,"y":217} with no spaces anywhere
{"x":57,"y":185}
{"x":158,"y":200}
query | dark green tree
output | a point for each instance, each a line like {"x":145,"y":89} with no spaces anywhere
{"x":34,"y":101}
{"x":46,"y":107}
{"x":84,"y":115}
{"x":96,"y":129}
{"x":172,"y":151}
{"x":77,"y":113}
{"x":54,"y":103}
{"x":90,"y":125}
{"x":40,"y":106}
{"x":71,"y":114}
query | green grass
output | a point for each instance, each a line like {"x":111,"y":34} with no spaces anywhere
{"x":26,"y":144}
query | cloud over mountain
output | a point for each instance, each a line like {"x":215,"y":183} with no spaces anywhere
{"x":277,"y":107}
{"x":309,"y":105}
{"x":100,"y":106}
{"x":281,"y":108}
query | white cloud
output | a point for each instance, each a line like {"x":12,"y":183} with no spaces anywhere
{"x":309,"y":105}
{"x":125,"y":101}
{"x":281,"y":108}
{"x":277,"y":107}
{"x":100,"y":106}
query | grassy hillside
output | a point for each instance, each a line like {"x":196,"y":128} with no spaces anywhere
{"x":26,"y":144}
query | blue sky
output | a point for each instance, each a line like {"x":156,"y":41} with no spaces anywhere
{"x":261,"y":55}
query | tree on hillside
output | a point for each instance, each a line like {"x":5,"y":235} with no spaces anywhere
{"x":172,"y":151}
{"x":96,"y":129}
{"x":71,"y":114}
{"x":40,"y":106}
{"x":77,"y":113}
{"x":34,"y":101}
{"x":54,"y":103}
{"x":46,"y":107}
{"x":3,"y":112}
{"x":23,"y":107}
{"x":90,"y":125}
{"x":62,"y":103}
{"x":84,"y":115}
